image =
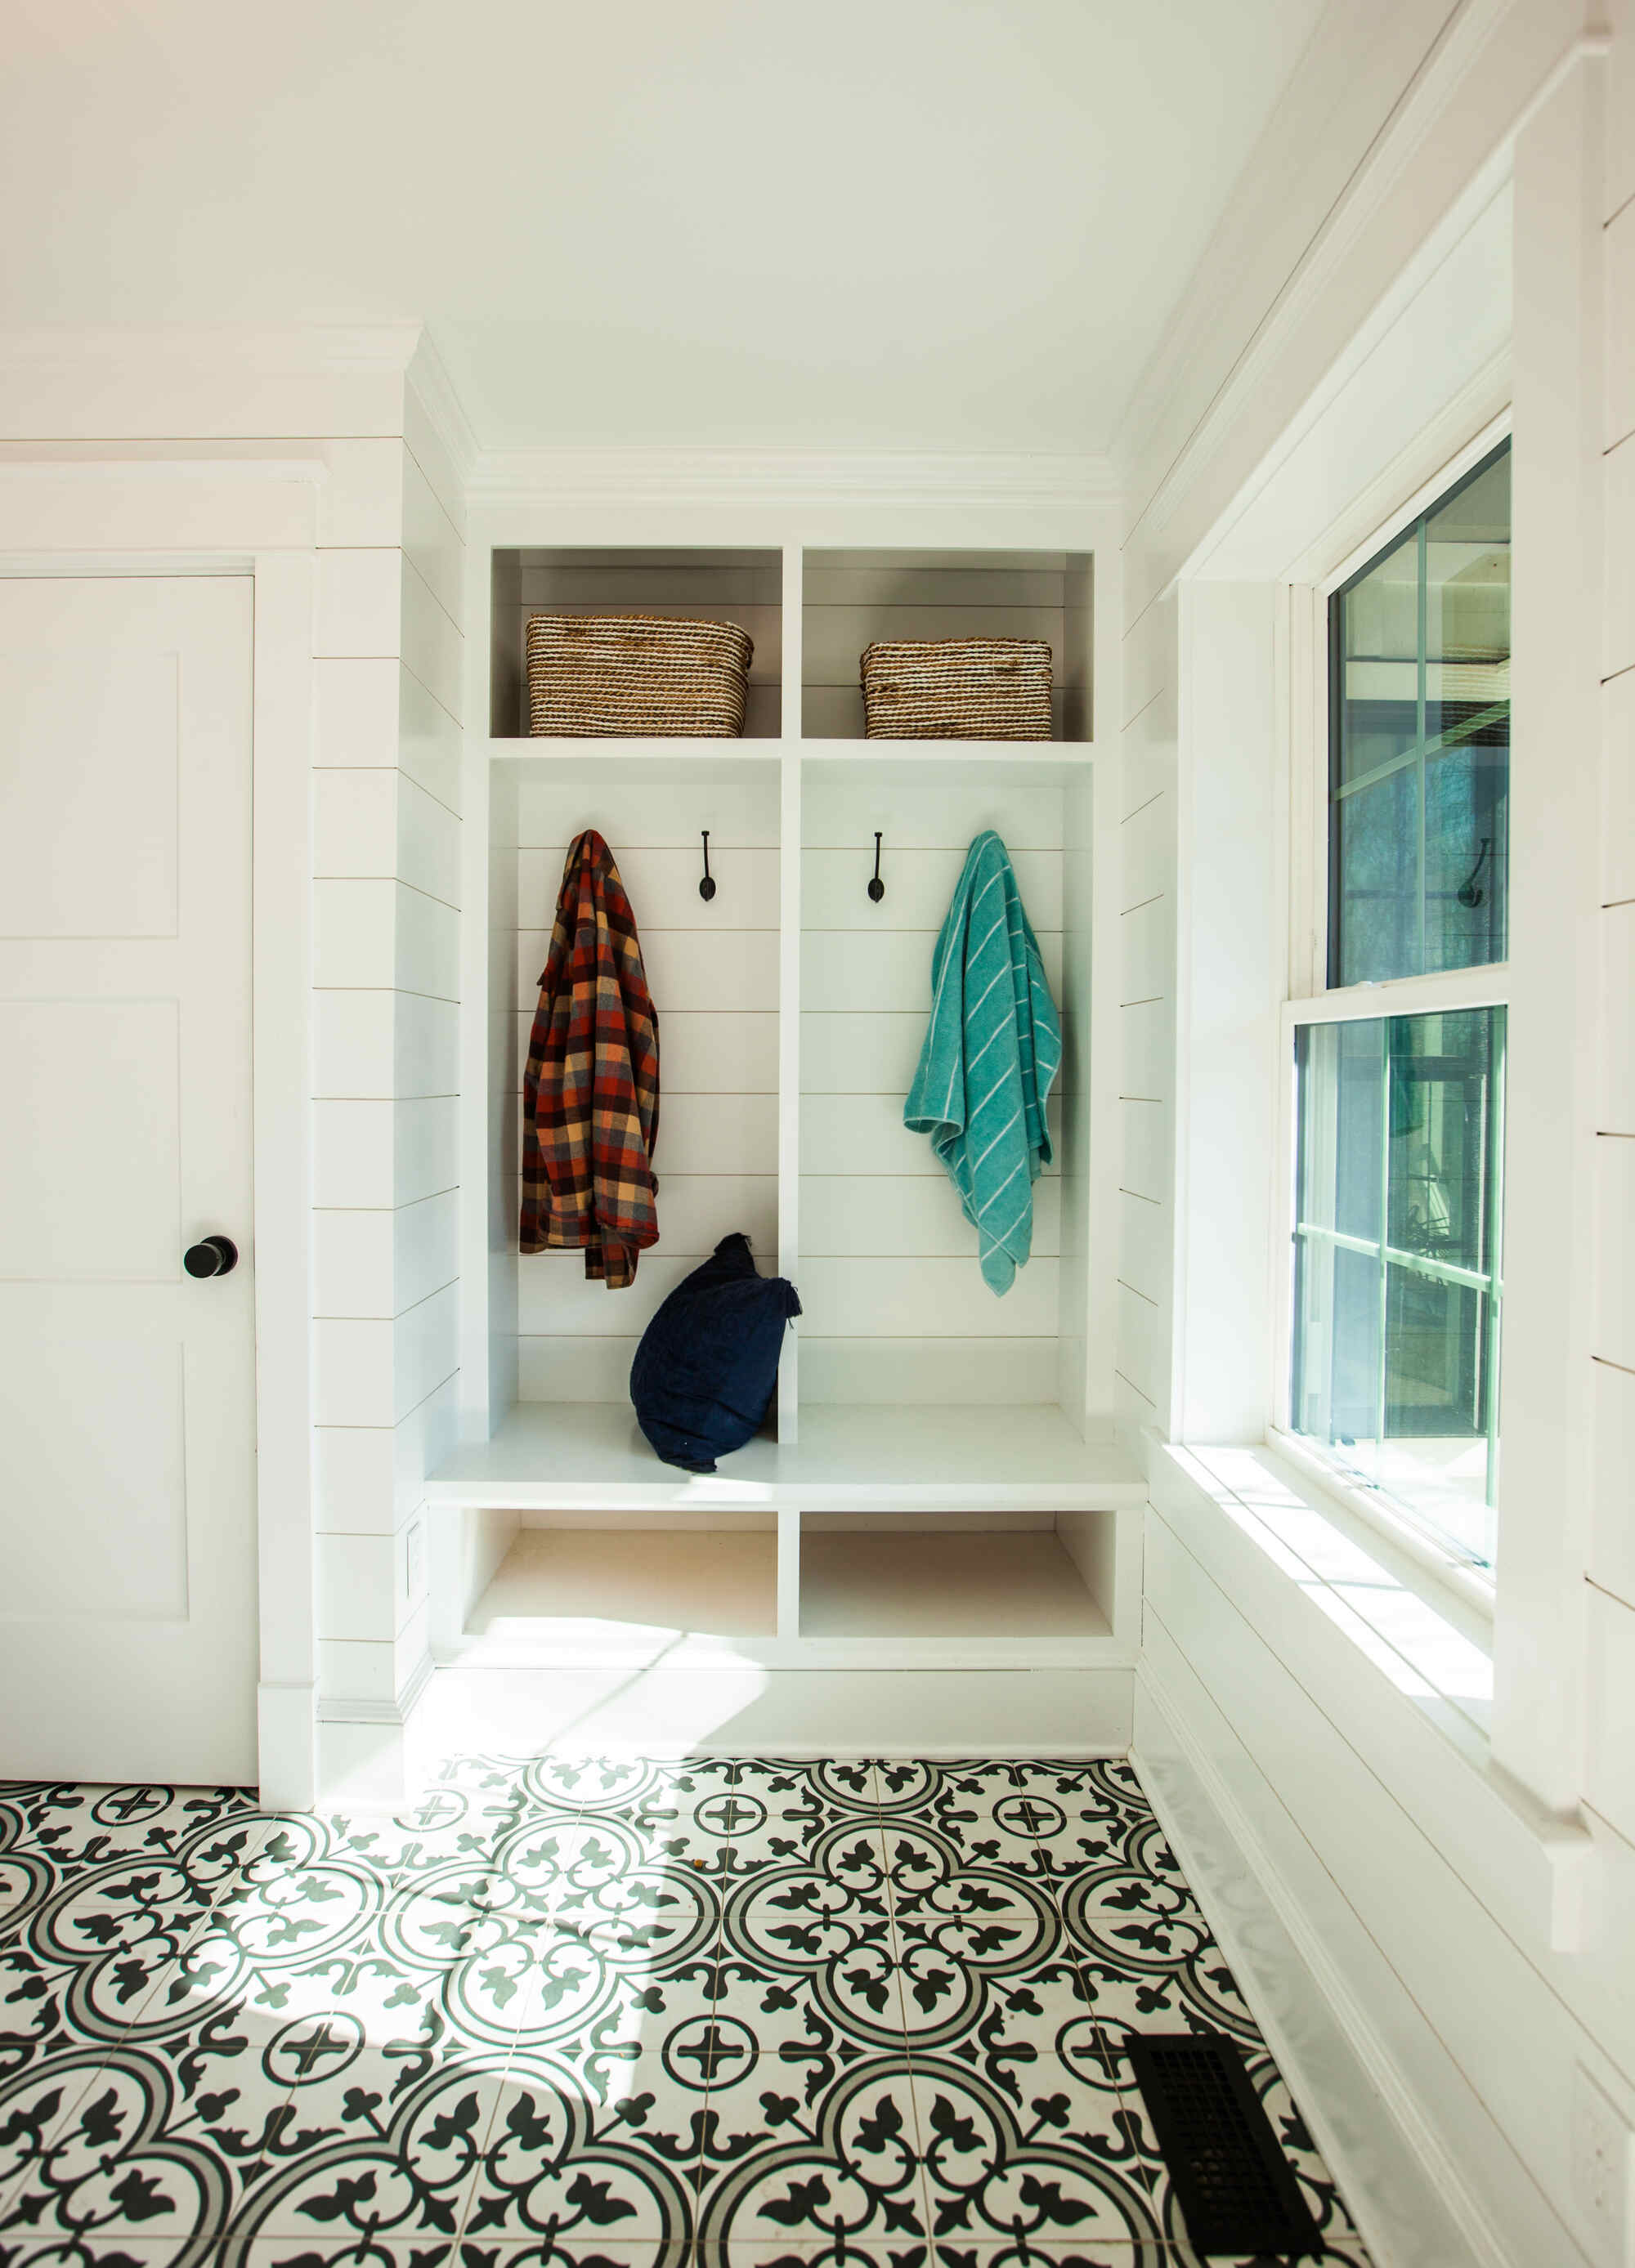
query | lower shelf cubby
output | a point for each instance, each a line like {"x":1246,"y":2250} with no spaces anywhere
{"x":620,"y":1590}
{"x":785,"y":1588}
{"x":915,"y":1577}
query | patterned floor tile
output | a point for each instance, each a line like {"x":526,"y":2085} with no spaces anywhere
{"x":994,"y":2004}
{"x":1066,"y":2164}
{"x":378,"y":2144}
{"x":558,"y":2164}
{"x":135,"y":2148}
{"x":1201,"y":1995}
{"x":842,"y":2168}
{"x":334,"y":2252}
{"x":1084,"y":1844}
{"x":920,"y":1787}
{"x":590,"y":2250}
{"x":1129,"y":1922}
{"x":828,"y":1786}
{"x":803,"y":1956}
{"x":842,"y":2252}
{"x":605,"y":2012}
{"x":112,"y":2248}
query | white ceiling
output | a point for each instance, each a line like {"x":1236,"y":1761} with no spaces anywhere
{"x":919,"y":224}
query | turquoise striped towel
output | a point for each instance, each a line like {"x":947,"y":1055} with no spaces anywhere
{"x":993,"y":1049}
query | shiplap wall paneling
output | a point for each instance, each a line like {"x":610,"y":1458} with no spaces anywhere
{"x":745,"y":587}
{"x":1146,"y":1018}
{"x":895,"y":1306}
{"x":387,"y":821}
{"x":712,"y":968}
{"x":853,"y":598}
{"x":1611,"y":1591}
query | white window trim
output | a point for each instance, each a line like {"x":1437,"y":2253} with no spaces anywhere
{"x":1309,"y":999}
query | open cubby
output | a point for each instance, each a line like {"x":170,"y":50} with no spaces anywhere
{"x":712,"y":968}
{"x":1025,"y":1575}
{"x":745,"y":587}
{"x":851,"y":597}
{"x":813,"y":1588}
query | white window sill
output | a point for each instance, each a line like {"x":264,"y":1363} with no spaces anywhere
{"x":1392,"y":1622}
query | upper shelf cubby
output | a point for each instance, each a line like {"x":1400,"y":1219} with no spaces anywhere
{"x":745,"y":587}
{"x":849,"y":599}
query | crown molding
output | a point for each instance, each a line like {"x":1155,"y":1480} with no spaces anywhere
{"x":785,"y":476}
{"x":428,"y":374}
{"x":1464,"y":41}
{"x":283,"y":349}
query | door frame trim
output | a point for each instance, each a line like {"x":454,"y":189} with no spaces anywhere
{"x":50,"y":526}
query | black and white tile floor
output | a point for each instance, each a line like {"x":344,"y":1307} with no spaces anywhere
{"x":707,"y":2015}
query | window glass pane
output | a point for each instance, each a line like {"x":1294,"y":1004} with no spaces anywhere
{"x":1336,"y":1395}
{"x":1441,"y":1096}
{"x":1379,"y":662}
{"x":1467,"y":854}
{"x":1342,"y":1074}
{"x":1419,"y":764}
{"x":1397,"y":1291}
{"x":1434,"y":1456}
{"x":1376,"y":877}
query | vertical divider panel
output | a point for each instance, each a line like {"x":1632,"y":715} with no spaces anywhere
{"x":789,"y":1014}
{"x":788,"y":1573}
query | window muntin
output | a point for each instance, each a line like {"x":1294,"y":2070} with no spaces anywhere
{"x":1398,"y":1287}
{"x":1419,"y":743}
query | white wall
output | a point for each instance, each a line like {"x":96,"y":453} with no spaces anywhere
{"x":1610,"y":896}
{"x":386,"y":858}
{"x":355,"y":482}
{"x":1437,"y":2025}
{"x":1147,"y":823}
{"x":712,"y":971}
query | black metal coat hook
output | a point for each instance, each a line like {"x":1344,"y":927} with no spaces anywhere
{"x":706,"y":888}
{"x":877,"y":888}
{"x":1469,"y":894}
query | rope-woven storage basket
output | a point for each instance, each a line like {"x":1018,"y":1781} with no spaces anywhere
{"x":957,"y":689}
{"x":609,"y":676}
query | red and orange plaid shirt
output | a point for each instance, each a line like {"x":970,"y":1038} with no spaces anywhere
{"x":590,"y":1095}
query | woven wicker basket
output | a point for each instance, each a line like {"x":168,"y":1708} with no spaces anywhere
{"x":957,"y":689}
{"x":605,"y":677}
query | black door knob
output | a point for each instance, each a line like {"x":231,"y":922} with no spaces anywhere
{"x":217,"y":1255}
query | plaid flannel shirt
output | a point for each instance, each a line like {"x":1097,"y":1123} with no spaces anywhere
{"x":591,"y":1091}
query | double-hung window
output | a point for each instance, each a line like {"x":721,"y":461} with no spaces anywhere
{"x":1399,"y":1062}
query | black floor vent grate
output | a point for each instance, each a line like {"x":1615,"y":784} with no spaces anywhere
{"x":1232,"y":2181}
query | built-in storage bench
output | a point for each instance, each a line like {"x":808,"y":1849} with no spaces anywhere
{"x":939,"y":1487}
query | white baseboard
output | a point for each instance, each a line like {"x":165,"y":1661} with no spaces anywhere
{"x":743,"y":1710}
{"x":286,"y":1743}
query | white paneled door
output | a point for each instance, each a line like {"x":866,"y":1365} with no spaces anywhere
{"x":128,"y":1632}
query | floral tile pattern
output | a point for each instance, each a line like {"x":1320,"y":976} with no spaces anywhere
{"x":607,"y":2012}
